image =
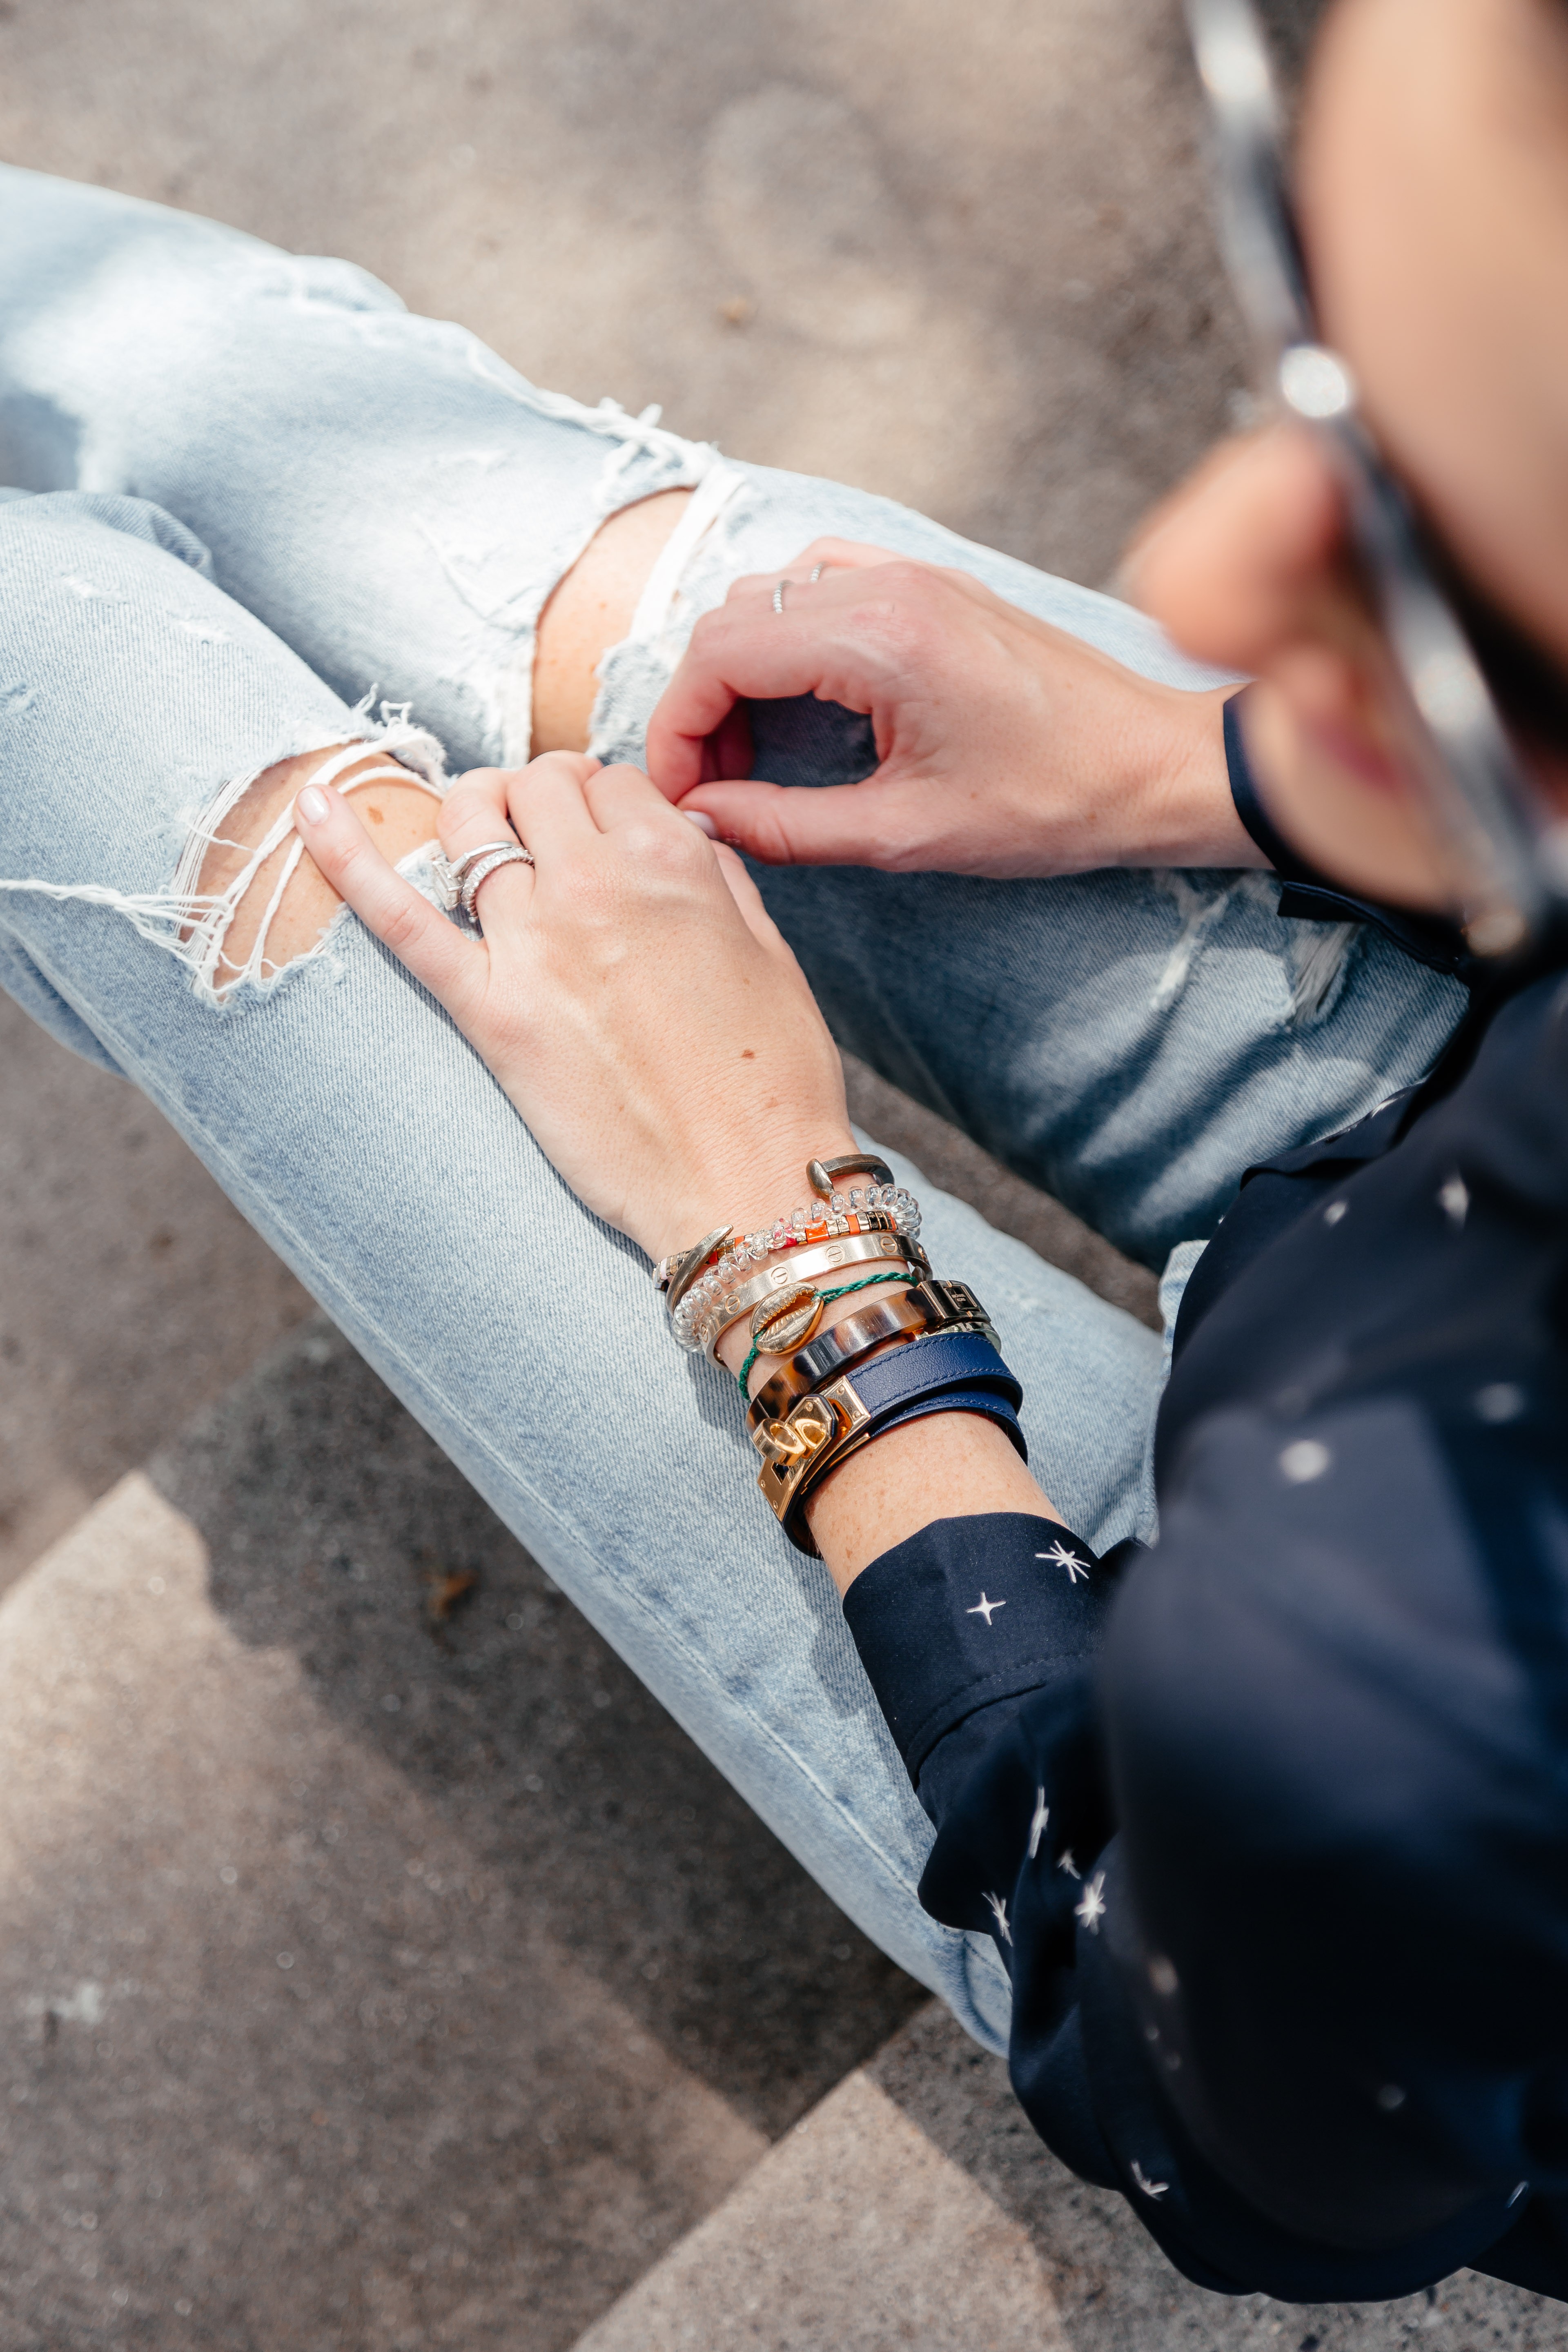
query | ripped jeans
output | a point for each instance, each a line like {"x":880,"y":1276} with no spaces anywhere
{"x":257,"y":500}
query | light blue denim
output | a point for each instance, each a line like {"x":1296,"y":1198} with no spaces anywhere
{"x":263,"y":493}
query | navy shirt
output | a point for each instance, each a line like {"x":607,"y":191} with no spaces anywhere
{"x":1269,"y":1823}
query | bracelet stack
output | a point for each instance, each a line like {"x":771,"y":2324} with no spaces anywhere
{"x":931,"y":1349}
{"x":700,"y":1297}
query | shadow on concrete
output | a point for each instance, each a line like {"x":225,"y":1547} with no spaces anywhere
{"x":338,"y":1532}
{"x":1111,"y":2286}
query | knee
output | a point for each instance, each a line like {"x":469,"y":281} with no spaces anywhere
{"x":262,"y":912}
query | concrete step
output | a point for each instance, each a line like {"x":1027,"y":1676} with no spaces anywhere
{"x":365,"y":1983}
{"x":914,"y":2210}
{"x":381,"y":1967}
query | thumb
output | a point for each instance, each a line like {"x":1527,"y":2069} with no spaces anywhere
{"x":836,"y":825}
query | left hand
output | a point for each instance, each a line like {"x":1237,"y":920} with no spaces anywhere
{"x":1004,"y":746}
{"x":632,"y":995}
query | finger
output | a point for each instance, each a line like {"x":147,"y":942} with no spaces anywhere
{"x":423,"y":941}
{"x":823,"y":555}
{"x":869,"y":824}
{"x":742,"y":651}
{"x":549,"y":807}
{"x":474,"y":815}
{"x":749,"y":900}
{"x":474,"y":810}
{"x":624,"y":795}
{"x":623,"y":799}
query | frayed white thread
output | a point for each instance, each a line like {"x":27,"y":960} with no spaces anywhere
{"x":208,"y":933}
{"x":707,"y":502}
{"x":641,"y":432}
{"x":1199,"y":915}
{"x":1319,"y":956}
{"x":191,"y":925}
{"x":634,"y":672}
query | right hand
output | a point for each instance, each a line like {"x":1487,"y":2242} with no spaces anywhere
{"x":1005,"y":747}
{"x":631,"y":995}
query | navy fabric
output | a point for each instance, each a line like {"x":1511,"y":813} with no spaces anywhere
{"x":1269,"y":1821}
{"x":1313,"y":897}
{"x":1005,"y":1591}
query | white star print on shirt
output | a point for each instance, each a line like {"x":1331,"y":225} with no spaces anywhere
{"x":1149,"y":2188}
{"x":1042,"y":1815}
{"x":1000,"y":1908}
{"x":1091,"y":1910}
{"x":986,"y":1609}
{"x":1065,"y":1861}
{"x":1059,"y":1557}
{"x":1455,"y":1200}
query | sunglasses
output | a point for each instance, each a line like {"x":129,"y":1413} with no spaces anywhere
{"x":1456,"y":663}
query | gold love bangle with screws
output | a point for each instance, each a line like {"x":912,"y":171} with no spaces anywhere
{"x":892,"y":1250}
{"x":700,"y":1297}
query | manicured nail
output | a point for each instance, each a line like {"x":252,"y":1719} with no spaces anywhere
{"x":312,"y":806}
{"x":703,"y":822}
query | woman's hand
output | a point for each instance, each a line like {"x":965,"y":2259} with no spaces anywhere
{"x":1005,"y":745}
{"x":631,"y":995}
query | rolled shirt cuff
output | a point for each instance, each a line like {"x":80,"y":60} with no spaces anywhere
{"x":971,"y":1611}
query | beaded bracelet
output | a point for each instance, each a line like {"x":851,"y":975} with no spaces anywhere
{"x":871,"y":1209}
{"x":877,"y":1209}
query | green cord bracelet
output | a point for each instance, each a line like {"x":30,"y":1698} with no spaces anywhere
{"x":827,"y":1297}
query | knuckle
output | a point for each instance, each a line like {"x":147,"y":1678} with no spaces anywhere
{"x":466,"y":800}
{"x":771,"y":842}
{"x":403,"y":925}
{"x":709,"y":630}
{"x":663,"y":849}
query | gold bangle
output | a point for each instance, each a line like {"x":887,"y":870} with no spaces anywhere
{"x":800,"y":1265}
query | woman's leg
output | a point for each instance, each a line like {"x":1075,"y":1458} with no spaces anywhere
{"x":344,"y":1114}
{"x":398,"y":506}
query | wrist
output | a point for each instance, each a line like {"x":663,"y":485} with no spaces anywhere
{"x":1181,"y":810}
{"x":748,"y":1190}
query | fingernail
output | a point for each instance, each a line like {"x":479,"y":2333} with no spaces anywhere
{"x":311,"y":805}
{"x":703,"y":822}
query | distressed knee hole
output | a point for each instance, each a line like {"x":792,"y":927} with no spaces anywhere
{"x":264,"y":904}
{"x":592,"y":607}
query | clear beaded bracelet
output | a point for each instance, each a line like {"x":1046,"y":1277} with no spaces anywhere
{"x":880,"y":1206}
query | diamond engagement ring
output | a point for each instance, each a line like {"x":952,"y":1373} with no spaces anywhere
{"x":459,"y":882}
{"x":778,"y":595}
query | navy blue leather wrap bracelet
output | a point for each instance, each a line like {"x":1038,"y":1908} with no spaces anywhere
{"x":949,"y":1371}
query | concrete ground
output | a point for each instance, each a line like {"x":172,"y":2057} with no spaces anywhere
{"x":381,"y":1969}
